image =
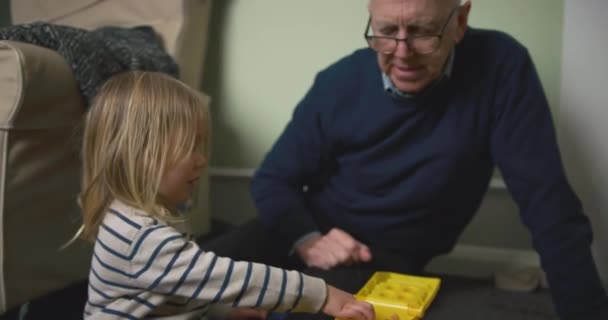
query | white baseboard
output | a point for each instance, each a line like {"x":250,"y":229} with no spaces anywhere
{"x":247,"y":173}
{"x":482,"y":262}
{"x":226,"y":172}
{"x":466,"y":260}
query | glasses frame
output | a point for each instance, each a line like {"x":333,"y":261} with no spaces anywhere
{"x":408,"y":40}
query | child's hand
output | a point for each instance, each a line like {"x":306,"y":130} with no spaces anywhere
{"x":246,"y":314}
{"x":341,"y":304}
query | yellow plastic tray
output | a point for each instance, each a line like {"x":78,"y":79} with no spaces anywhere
{"x":398,"y":296}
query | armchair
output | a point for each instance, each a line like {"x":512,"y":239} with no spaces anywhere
{"x":40,"y":118}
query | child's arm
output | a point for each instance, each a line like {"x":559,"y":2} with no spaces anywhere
{"x":343,"y":305}
{"x":339,"y":304}
{"x":165,"y":262}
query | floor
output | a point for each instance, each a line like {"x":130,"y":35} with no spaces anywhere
{"x":458,"y":298}
{"x":70,"y":301}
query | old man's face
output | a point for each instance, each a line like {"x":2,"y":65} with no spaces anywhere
{"x":432,"y":28}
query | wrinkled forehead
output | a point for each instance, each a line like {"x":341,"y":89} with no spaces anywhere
{"x":407,"y":12}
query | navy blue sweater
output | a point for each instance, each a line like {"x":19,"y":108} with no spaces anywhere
{"x":409,"y":175}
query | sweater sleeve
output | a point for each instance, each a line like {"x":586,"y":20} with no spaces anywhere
{"x":294,"y":162}
{"x":524,"y":147}
{"x":165,"y":262}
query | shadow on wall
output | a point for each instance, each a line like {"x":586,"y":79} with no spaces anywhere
{"x":578,"y":161}
{"x":5,"y":13}
{"x":213,"y":79}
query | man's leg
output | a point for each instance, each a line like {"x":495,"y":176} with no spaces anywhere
{"x":251,"y":242}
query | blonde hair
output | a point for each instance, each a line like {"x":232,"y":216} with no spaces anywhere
{"x":139,"y":124}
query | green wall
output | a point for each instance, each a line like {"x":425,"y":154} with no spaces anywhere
{"x":264,"y":54}
{"x":538,"y":24}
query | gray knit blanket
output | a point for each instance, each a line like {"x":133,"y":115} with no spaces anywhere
{"x":95,"y":56}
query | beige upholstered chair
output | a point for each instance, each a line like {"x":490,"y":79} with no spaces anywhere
{"x":40,"y":113}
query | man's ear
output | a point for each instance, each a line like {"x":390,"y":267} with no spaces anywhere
{"x":462,"y":20}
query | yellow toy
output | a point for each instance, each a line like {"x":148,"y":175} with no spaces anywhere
{"x":399,"y":296}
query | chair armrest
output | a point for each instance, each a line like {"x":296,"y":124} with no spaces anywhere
{"x":41,"y":111}
{"x":37,"y":88}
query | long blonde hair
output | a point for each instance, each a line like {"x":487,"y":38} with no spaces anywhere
{"x":139,"y":124}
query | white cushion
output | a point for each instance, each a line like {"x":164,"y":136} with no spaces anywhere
{"x":181,"y":24}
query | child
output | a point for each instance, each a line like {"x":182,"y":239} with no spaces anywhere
{"x":145,"y":145}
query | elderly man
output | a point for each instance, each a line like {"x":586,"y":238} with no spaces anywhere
{"x":387,"y":157}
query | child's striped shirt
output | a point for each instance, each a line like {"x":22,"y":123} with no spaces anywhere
{"x":142,"y":268}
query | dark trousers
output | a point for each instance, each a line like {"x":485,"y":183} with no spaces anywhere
{"x":67,"y":303}
{"x":250,"y":242}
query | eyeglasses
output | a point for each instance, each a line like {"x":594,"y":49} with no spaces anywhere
{"x":421,"y":44}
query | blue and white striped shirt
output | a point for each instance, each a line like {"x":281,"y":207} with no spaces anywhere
{"x":144,"y":268}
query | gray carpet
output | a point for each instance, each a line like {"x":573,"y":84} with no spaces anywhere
{"x":473,"y":299}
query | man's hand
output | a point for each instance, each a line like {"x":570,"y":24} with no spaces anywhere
{"x":332,"y":249}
